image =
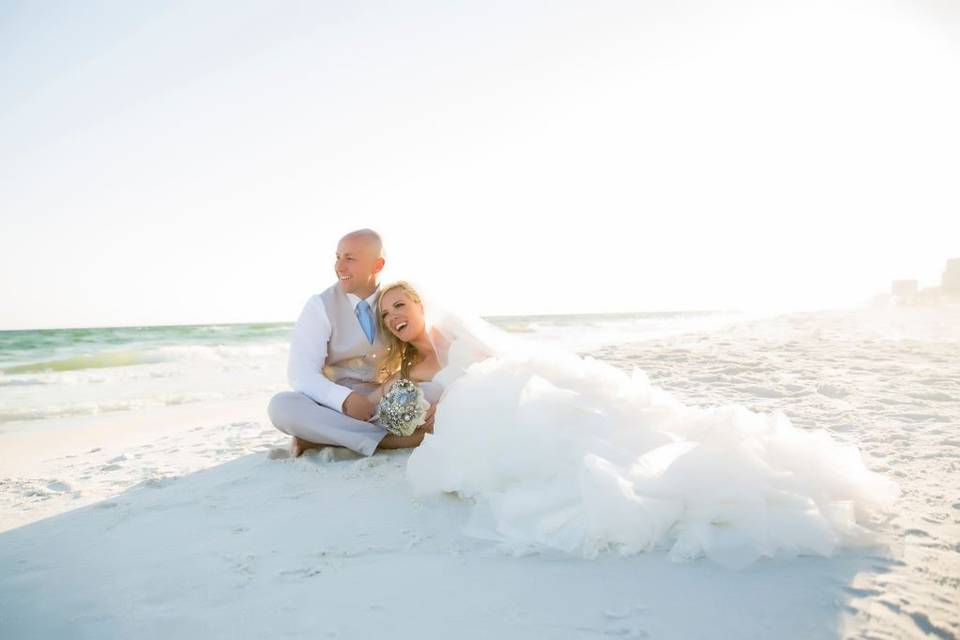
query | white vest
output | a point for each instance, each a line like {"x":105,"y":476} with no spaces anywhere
{"x":351,"y":359}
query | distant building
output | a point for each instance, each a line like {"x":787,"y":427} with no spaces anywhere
{"x":928,"y":296}
{"x":908,"y":292}
{"x":950,"y":284}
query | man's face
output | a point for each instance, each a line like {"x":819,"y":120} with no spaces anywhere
{"x":357,"y":264}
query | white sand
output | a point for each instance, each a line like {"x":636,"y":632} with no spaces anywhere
{"x":331,"y":545}
{"x":196,"y":524}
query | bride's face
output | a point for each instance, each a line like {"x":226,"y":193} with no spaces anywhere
{"x":402,"y":316}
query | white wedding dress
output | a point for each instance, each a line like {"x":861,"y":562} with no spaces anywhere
{"x":571,"y":454}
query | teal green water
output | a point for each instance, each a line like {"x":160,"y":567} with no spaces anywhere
{"x":33,"y":351}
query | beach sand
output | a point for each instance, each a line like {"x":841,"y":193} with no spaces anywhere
{"x":331,"y":545}
{"x":197,"y":523}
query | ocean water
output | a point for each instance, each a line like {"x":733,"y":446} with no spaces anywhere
{"x":885,"y":380}
{"x":53,"y":374}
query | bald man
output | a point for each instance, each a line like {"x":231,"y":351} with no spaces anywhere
{"x":335,"y":352}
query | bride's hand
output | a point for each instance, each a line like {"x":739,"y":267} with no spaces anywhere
{"x":427,"y":426}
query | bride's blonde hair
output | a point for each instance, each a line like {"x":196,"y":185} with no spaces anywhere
{"x":401,"y":356}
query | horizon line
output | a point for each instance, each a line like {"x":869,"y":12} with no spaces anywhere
{"x":277,"y":322}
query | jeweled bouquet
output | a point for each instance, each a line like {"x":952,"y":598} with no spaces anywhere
{"x":402,"y":408}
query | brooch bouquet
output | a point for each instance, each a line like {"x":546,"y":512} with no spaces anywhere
{"x":402,"y":408}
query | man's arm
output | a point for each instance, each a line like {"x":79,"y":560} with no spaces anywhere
{"x":308,"y":354}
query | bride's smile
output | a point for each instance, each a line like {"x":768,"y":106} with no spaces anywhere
{"x":411,"y":344}
{"x":401,"y":315}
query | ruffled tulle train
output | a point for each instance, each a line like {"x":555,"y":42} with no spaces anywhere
{"x":568,"y":453}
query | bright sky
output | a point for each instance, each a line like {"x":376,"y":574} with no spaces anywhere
{"x":192,"y":162}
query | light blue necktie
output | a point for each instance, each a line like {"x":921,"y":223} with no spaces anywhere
{"x":365,"y":316}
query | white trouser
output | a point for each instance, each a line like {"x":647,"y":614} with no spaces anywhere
{"x":297,"y":415}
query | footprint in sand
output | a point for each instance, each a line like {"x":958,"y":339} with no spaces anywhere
{"x":625,"y":632}
{"x":372,"y":461}
{"x":110,"y":467}
{"x":623,"y":623}
{"x":242,"y":568}
{"x":296,"y":575}
{"x":59,"y":486}
{"x":157,"y":482}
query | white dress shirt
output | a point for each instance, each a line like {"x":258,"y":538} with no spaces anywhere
{"x":308,"y":352}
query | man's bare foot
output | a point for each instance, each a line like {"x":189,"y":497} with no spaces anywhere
{"x":298,"y":446}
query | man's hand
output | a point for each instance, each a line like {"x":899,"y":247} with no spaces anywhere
{"x":427,"y":426}
{"x":359,"y":406}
